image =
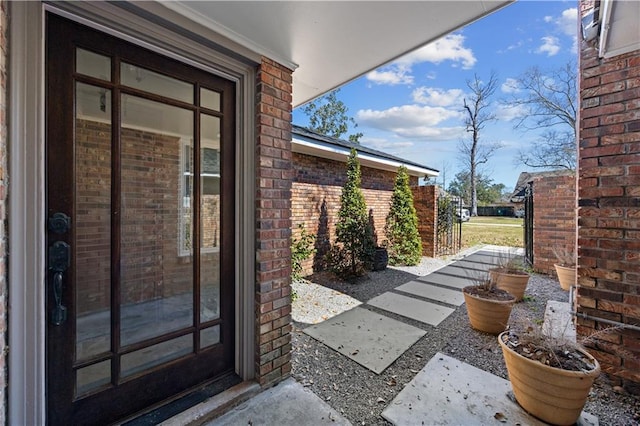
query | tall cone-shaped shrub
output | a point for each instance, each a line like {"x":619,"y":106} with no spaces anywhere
{"x":403,"y":240}
{"x":354,"y":247}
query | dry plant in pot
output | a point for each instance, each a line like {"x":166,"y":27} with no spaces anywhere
{"x":550,"y":376}
{"x":488,"y":307}
{"x":565,"y":267}
{"x":511,"y":274}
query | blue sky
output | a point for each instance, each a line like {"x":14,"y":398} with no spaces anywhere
{"x":412,"y":107}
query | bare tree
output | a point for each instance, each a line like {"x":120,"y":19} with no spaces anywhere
{"x":548,"y":101}
{"x":476,"y":118}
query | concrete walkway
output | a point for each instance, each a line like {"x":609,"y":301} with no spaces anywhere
{"x":441,"y":393}
{"x":429,"y":299}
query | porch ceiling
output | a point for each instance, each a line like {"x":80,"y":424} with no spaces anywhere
{"x":329,"y":43}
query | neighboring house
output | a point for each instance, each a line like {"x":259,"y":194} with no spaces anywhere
{"x":319,"y":164}
{"x":553,"y":225}
{"x":609,"y":187}
{"x":146,"y":171}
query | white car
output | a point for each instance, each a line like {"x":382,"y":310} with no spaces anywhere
{"x":463,"y":215}
{"x":519,"y":213}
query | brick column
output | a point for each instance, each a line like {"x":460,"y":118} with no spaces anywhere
{"x":554,"y":219}
{"x":425,"y":200}
{"x":274,"y":175}
{"x":609,"y":209}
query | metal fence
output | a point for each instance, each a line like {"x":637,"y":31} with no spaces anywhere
{"x":449,"y":227}
{"x":528,"y":222}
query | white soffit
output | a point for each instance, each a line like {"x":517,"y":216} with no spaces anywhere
{"x":620,"y":27}
{"x":329,"y":43}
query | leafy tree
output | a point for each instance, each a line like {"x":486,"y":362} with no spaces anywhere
{"x":548,"y":101}
{"x":403,"y":240}
{"x":301,"y":250}
{"x":353,"y":248}
{"x":477,"y":116}
{"x":488,"y":192}
{"x":328,"y":116}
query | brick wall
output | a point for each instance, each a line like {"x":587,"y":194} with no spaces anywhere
{"x":274,"y":175}
{"x":425,"y":200}
{"x":554,"y":219}
{"x":315,"y":199}
{"x":4,"y":46}
{"x":609,"y":208}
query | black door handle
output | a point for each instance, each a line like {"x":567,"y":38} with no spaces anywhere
{"x":59,"y":261}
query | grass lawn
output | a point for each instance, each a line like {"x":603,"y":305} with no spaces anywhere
{"x":501,"y":231}
{"x":499,"y":220}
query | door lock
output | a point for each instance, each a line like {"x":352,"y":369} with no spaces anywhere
{"x":59,"y":223}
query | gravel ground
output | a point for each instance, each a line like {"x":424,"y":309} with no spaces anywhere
{"x":361,"y":395}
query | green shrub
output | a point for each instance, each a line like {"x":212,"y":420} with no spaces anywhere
{"x":354,"y":246}
{"x":403,"y":239}
{"x":301,"y":250}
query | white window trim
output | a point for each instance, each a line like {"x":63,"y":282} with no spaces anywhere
{"x":182,"y":252}
{"x":26,"y":238}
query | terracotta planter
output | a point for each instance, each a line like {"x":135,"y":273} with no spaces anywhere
{"x":515,"y":284}
{"x":490,"y":316}
{"x":566,"y":276}
{"x":551,"y":394}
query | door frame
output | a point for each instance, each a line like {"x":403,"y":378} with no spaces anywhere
{"x":26,"y":130}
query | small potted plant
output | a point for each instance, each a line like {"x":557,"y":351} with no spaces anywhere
{"x":565,"y":267}
{"x":488,"y":307}
{"x":550,"y":376}
{"x":511,"y":275}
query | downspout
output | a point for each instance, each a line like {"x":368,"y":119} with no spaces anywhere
{"x":604,"y":27}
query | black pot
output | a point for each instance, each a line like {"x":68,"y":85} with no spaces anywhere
{"x":380,"y":259}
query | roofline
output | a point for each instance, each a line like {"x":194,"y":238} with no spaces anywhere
{"x":325,"y":149}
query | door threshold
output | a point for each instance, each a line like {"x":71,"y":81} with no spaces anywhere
{"x":215,"y":406}
{"x":198,"y":405}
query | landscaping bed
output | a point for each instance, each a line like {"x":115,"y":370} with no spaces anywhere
{"x":361,"y":395}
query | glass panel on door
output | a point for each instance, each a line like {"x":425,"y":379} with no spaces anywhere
{"x":156,"y":292}
{"x":93,"y":221}
{"x":210,"y":218}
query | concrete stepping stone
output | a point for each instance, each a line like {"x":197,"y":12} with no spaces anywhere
{"x":370,"y":339}
{"x":476,"y":266}
{"x":428,"y":291}
{"x":489,"y":258}
{"x":558,"y":321}
{"x":450,"y":392}
{"x":289,"y":403}
{"x":460,"y":272}
{"x":428,"y":313}
{"x":446,"y":280}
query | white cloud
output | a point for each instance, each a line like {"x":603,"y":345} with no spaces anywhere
{"x":568,"y":21}
{"x":448,"y":48}
{"x":510,"y":85}
{"x":432,"y":133}
{"x":550,"y":46}
{"x":391,"y":76}
{"x":508,"y":113}
{"x":437,"y":97}
{"x":548,"y":18}
{"x":412,"y":121}
{"x":385,"y":145}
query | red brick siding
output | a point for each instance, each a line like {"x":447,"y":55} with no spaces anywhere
{"x":609,"y":213}
{"x":554,"y":219}
{"x":274,"y":175}
{"x":315,"y":199}
{"x":425,"y":200}
{"x":4,"y":47}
